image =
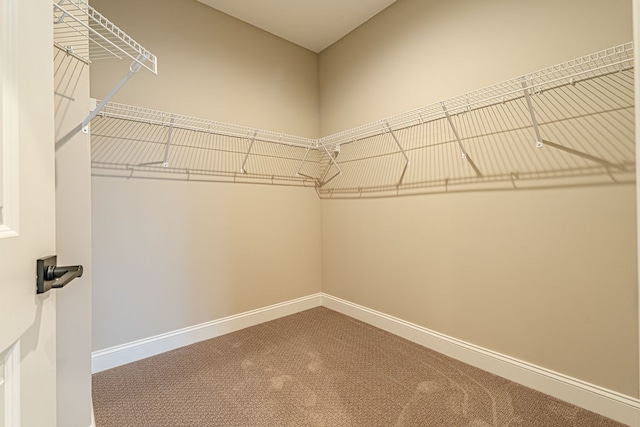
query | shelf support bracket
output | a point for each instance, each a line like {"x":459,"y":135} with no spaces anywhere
{"x":133,"y":69}
{"x":304,"y":159}
{"x":331,"y":160}
{"x":64,"y":13}
{"x":534,"y":120}
{"x":406,"y":165}
{"x":455,"y":131}
{"x":165,"y":160}
{"x":246,"y":156}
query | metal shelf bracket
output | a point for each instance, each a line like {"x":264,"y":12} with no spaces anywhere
{"x":534,"y":120}
{"x":304,"y":159}
{"x":165,"y":160}
{"x":133,"y":69}
{"x":63,"y":15}
{"x":406,"y":165}
{"x":455,"y":131}
{"x":246,"y":157}
{"x":332,"y":160}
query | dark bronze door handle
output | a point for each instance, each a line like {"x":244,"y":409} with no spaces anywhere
{"x":49,"y":275}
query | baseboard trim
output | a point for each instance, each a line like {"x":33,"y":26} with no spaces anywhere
{"x":93,"y":416}
{"x":130,"y":352}
{"x":619,"y":407}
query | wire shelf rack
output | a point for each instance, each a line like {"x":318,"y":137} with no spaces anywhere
{"x":145,"y":141}
{"x":573,"y":122}
{"x":162,"y":118}
{"x":590,"y":66}
{"x":81,"y":31}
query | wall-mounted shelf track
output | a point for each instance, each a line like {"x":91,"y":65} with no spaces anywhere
{"x":82,"y":32}
{"x":570,"y":124}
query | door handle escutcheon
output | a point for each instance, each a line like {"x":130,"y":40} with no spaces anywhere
{"x":49,"y":275}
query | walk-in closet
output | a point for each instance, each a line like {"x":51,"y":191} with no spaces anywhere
{"x":430,"y":219}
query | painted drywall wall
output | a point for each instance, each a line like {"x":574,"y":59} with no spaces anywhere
{"x":212,"y":66}
{"x":73,"y":240}
{"x":171,"y":254}
{"x":554,"y":288}
{"x":546,"y":276}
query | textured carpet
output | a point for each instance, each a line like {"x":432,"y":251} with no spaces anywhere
{"x":319,"y":368}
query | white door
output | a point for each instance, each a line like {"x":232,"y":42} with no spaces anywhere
{"x":27,"y":207}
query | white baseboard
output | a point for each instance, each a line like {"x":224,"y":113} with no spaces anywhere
{"x":619,"y":407}
{"x":147,"y":347}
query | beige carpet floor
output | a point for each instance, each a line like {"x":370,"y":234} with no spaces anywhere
{"x":319,"y":368}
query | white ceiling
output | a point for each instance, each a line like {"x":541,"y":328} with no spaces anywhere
{"x":313,"y":24}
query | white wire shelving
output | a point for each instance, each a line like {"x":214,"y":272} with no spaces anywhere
{"x":145,"y":141}
{"x":597,"y":64}
{"x":162,"y":118}
{"x":572,"y":120}
{"x":83,"y":32}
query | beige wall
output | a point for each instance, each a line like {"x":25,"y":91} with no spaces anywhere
{"x":546,"y":276}
{"x":171,"y":254}
{"x":212,"y":66}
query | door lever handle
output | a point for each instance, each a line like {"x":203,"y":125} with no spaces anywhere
{"x":49,"y":275}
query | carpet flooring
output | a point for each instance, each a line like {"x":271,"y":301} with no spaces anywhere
{"x":319,"y":368}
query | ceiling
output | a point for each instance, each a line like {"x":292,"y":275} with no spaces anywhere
{"x":313,"y":24}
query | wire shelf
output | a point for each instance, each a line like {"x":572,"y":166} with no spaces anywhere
{"x":75,"y":23}
{"x":579,"y":115}
{"x":590,"y":66}
{"x":162,"y":118}
{"x":587,"y":132}
{"x":141,"y":140}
